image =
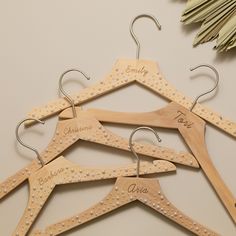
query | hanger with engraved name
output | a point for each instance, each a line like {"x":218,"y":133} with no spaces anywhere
{"x":84,"y":126}
{"x":61,"y":171}
{"x":191,"y":128}
{"x":127,"y":190}
{"x":143,"y":72}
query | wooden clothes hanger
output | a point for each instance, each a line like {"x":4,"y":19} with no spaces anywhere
{"x":191,"y":128}
{"x":86,"y":127}
{"x":126,"y":190}
{"x":143,"y":72}
{"x":61,"y":171}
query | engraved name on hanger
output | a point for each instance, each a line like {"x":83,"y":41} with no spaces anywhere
{"x":143,"y":71}
{"x":76,"y":130}
{"x":51,"y":175}
{"x":182,"y":119}
{"x":133,"y":188}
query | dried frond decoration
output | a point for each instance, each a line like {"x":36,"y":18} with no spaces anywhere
{"x":218,"y":19}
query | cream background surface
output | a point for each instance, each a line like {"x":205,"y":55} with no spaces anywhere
{"x":41,"y":39}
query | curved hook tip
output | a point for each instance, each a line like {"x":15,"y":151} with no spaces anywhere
{"x":209,"y":91}
{"x":159,"y":26}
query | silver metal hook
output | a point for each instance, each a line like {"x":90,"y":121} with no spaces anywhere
{"x":131,"y":143}
{"x":211,"y":90}
{"x":132,"y":30}
{"x":25,"y":145}
{"x":71,"y":101}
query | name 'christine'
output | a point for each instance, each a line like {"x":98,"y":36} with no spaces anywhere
{"x":76,"y":130}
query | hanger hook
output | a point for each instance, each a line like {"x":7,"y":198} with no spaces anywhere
{"x":68,"y":97}
{"x":134,"y":35}
{"x":25,"y":145}
{"x":131,"y":143}
{"x":211,"y":90}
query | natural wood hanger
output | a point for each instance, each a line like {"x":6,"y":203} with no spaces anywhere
{"x":86,"y":127}
{"x":61,"y":171}
{"x":126,"y":190}
{"x":191,"y":127}
{"x":143,"y":72}
{"x":154,"y":198}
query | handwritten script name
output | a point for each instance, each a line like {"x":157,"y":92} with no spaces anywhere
{"x":182,"y":119}
{"x":68,"y":131}
{"x":133,"y":188}
{"x":134,"y":70}
{"x":50,"y":176}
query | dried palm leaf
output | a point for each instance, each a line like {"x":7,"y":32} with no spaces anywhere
{"x":218,"y":19}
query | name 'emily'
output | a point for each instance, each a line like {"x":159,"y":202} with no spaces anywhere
{"x":141,"y":70}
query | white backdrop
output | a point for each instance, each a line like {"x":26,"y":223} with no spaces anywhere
{"x":41,"y":39}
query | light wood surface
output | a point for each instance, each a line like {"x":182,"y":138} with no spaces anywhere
{"x":126,"y":190}
{"x":61,"y":171}
{"x":143,"y":72}
{"x":87,"y":128}
{"x":192,"y":129}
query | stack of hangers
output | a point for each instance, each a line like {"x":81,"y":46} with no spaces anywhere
{"x":74,"y":124}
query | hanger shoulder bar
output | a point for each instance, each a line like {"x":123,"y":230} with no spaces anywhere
{"x":134,"y":118}
{"x":157,"y":201}
{"x":158,"y":84}
{"x":108,"y":204}
{"x":107,"y":85}
{"x":87,"y":128}
{"x":62,"y":171}
{"x":103,"y":136}
{"x":19,"y":177}
{"x":145,"y":73}
{"x":127,"y":190}
{"x":68,"y":132}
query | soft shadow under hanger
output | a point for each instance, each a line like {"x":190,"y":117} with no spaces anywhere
{"x":127,"y":190}
{"x":190,"y":126}
{"x":61,"y":171}
{"x":86,"y":127}
{"x":143,"y":72}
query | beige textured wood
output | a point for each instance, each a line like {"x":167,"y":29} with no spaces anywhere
{"x":87,"y":128}
{"x":145,"y":73}
{"x":126,"y":190}
{"x":190,"y":126}
{"x":62,"y":171}
{"x":18,"y":178}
